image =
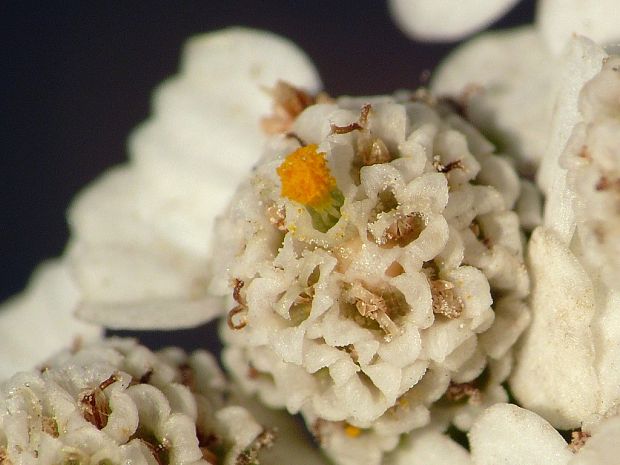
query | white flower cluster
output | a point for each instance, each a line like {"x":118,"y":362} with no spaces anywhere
{"x":116,"y":402}
{"x":409,"y":284}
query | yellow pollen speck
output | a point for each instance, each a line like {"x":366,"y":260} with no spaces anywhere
{"x":352,"y":431}
{"x":306,"y":178}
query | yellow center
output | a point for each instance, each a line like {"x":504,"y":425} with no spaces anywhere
{"x":306,"y":178}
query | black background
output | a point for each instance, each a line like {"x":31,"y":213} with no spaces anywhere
{"x":76,"y":77}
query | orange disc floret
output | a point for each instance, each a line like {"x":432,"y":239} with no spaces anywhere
{"x":306,"y":178}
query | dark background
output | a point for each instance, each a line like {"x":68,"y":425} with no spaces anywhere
{"x":76,"y":77}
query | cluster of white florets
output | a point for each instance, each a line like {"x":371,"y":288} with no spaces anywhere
{"x":116,"y":402}
{"x":594,"y":171}
{"x":402,"y":282}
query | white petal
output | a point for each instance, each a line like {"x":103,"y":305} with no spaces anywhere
{"x":580,"y":63}
{"x":494,"y":85}
{"x":558,"y":349}
{"x":153,"y":314}
{"x":40,"y":321}
{"x":428,"y":448}
{"x":445,"y":20}
{"x":143,"y":232}
{"x":559,"y":20}
{"x":508,"y":435}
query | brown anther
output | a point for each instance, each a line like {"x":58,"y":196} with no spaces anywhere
{"x":277,"y":217}
{"x":356,"y":126}
{"x":111,"y":380}
{"x":371,"y":150}
{"x":288,"y":103}
{"x":403,"y":231}
{"x":345,"y":129}
{"x":237,"y":317}
{"x":458,"y":391}
{"x":238,"y":285}
{"x":445,"y":300}
{"x":94,"y":406}
{"x":263,"y":441}
{"x":49,"y":426}
{"x":453,"y":165}
{"x":372,"y":306}
{"x":577,"y":440}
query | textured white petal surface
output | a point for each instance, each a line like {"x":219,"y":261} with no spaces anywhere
{"x":508,"y":435}
{"x":559,"y":20}
{"x":508,"y":98}
{"x":141,"y":234}
{"x":40,"y":320}
{"x":581,"y":61}
{"x":444,"y":20}
{"x":428,"y":448}
{"x":558,"y":349}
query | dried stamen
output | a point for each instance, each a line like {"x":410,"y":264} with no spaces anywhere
{"x":459,"y":391}
{"x":237,"y":317}
{"x":277,"y":216}
{"x":263,"y":441}
{"x":95,"y":408}
{"x":49,"y":425}
{"x":453,"y":165}
{"x":445,"y":300}
{"x":403,"y":231}
{"x":288,"y":103}
{"x":356,"y":126}
{"x":372,"y":306}
{"x":578,"y":440}
{"x":372,"y":151}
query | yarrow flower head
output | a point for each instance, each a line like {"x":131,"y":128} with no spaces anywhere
{"x":376,"y":266}
{"x":116,"y":402}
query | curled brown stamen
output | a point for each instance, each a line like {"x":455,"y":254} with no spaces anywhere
{"x":237,"y":317}
{"x":356,"y":126}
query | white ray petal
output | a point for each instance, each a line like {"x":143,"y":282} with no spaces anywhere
{"x":40,"y":321}
{"x":508,"y":435}
{"x":559,"y":20}
{"x":446,"y":20}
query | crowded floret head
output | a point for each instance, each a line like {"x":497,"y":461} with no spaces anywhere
{"x":375,"y":262}
{"x":116,"y":402}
